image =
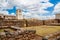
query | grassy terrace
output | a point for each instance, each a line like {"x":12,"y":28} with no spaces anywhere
{"x":44,"y":30}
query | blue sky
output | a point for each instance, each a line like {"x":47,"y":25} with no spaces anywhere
{"x":44,"y":9}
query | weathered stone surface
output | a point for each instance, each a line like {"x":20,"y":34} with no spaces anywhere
{"x":52,"y":36}
{"x":19,"y":34}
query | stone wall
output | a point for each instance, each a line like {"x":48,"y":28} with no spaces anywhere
{"x":18,"y":23}
{"x":34,"y":23}
{"x":50,"y":22}
{"x":27,"y":23}
{"x":21,"y":23}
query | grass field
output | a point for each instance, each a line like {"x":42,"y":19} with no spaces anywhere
{"x":44,"y":30}
{"x":2,"y":30}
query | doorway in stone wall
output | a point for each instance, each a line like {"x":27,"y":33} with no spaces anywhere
{"x":58,"y":20}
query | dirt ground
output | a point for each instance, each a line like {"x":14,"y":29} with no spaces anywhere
{"x":44,"y":30}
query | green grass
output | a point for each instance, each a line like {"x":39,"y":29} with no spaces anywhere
{"x":41,"y":30}
{"x":44,"y":30}
{"x":2,"y":30}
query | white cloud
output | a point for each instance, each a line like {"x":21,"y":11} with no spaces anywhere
{"x":39,"y":17}
{"x":25,"y":2}
{"x":7,"y":13}
{"x":34,"y":7}
{"x":27,"y":15}
{"x":44,"y":0}
{"x":46,"y":5}
{"x":4,"y":4}
{"x":51,"y":17}
{"x":57,"y":8}
{"x":13,"y":14}
{"x":4,"y":12}
{"x":44,"y":17}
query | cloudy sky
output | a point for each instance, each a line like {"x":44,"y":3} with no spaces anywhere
{"x":39,"y":9}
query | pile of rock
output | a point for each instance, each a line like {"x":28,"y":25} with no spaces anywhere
{"x":19,"y":34}
{"x":53,"y":36}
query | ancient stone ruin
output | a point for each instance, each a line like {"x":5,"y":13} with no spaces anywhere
{"x":52,"y":36}
{"x":18,"y":34}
